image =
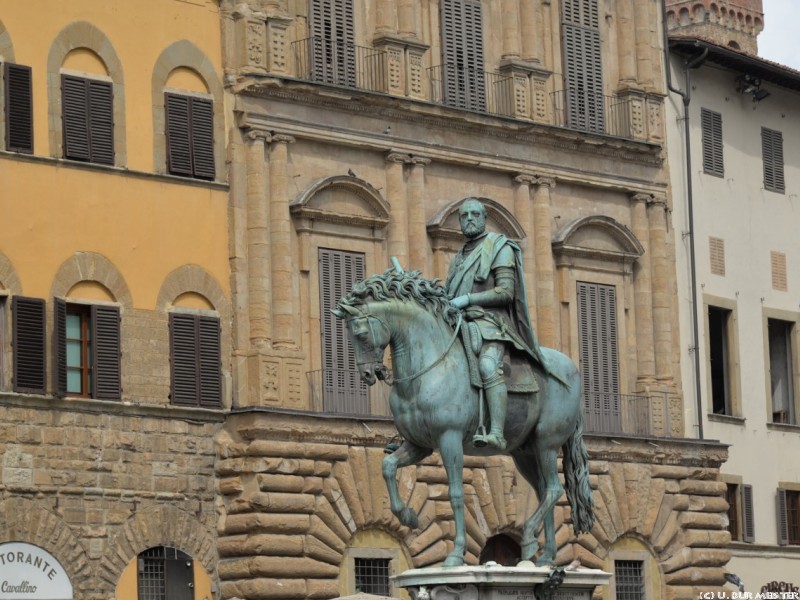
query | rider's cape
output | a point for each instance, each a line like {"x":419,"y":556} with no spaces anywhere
{"x":476,"y":269}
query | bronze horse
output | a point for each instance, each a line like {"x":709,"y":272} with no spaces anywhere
{"x":436,"y":407}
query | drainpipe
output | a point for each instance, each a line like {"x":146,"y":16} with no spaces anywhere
{"x":686,"y":96}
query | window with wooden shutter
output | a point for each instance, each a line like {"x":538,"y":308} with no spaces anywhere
{"x":463,"y":80}
{"x":583,"y":70}
{"x":719,"y":344}
{"x":87,"y":359}
{"x":772,"y":153}
{"x":18,"y":108}
{"x":597,"y":338}
{"x":190,"y":136}
{"x":29,"y":344}
{"x":711,"y":123}
{"x":748,"y":515}
{"x":732,"y":496}
{"x":195,"y":360}
{"x":88,"y":119}
{"x":343,"y":391}
{"x":333,"y":51}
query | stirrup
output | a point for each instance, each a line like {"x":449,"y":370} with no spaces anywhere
{"x":479,"y":440}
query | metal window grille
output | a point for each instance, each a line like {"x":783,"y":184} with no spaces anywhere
{"x":372,"y":576}
{"x":152,"y":574}
{"x":629,"y":579}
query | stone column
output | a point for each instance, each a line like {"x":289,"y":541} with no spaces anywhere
{"x":396,"y":195}
{"x":407,"y":18}
{"x":285,"y":296}
{"x":511,"y":24}
{"x":259,"y":275}
{"x":523,"y":210}
{"x":417,"y":230}
{"x":530,"y":18}
{"x":384,"y":16}
{"x":662,"y":293}
{"x":626,"y":39}
{"x":645,"y":32}
{"x":642,"y":293}
{"x":545,"y":271}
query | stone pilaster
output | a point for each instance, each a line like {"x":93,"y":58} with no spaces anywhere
{"x":645,"y":32}
{"x":626,"y":41}
{"x":277,"y":45}
{"x":662,"y":297}
{"x":511,"y":28}
{"x":396,"y":195}
{"x":384,"y":16}
{"x":407,"y":18}
{"x":545,"y":271}
{"x":530,"y":12}
{"x":259,"y":275}
{"x":642,"y":293}
{"x":417,"y":229}
{"x":523,"y":210}
{"x":251,"y":53}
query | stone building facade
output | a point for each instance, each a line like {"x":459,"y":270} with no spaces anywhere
{"x":360,"y":127}
{"x":107,"y":473}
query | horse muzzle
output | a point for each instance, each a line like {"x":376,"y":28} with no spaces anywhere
{"x":375,"y":372}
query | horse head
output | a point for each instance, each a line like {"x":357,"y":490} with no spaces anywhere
{"x":369,"y":335}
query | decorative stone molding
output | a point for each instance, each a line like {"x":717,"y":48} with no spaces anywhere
{"x":91,"y":266}
{"x":598,"y":238}
{"x":529,"y":85}
{"x":9,"y":279}
{"x":546,"y":181}
{"x":526,"y":178}
{"x":404,"y":66}
{"x":277,"y":46}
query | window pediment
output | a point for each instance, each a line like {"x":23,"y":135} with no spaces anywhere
{"x":598,"y":237}
{"x":344,"y":200}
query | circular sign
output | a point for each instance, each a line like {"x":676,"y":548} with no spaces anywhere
{"x":29,"y":573}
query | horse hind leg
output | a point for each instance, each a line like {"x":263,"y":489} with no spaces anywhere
{"x":528,"y":467}
{"x":452,"y":451}
{"x":407,"y":454}
{"x":552,"y":492}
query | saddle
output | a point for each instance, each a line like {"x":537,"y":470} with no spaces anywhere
{"x":518,"y":367}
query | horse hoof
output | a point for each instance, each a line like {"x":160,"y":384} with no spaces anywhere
{"x":454,"y":561}
{"x":529,"y":550}
{"x":409,"y":518}
{"x":545,"y":561}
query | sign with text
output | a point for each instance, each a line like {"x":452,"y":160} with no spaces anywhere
{"x":29,"y":573}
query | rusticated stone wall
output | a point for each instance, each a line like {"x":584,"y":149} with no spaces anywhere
{"x":294,"y":489}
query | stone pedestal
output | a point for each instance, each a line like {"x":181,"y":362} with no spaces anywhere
{"x":494,"y":582}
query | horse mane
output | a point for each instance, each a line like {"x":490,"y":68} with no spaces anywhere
{"x":404,"y":286}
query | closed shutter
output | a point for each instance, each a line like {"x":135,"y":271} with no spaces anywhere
{"x":597,"y":337}
{"x":29,"y":344}
{"x":60,"y":347}
{"x":711,"y":123}
{"x":19,"y":108}
{"x":75,"y":115}
{"x":179,"y":148}
{"x":782,"y":517}
{"x":106,"y":380}
{"x":210,"y":376}
{"x":462,"y":54}
{"x":748,"y":517}
{"x":772,"y":151}
{"x":202,"y":137}
{"x":343,"y":390}
{"x":583,"y":72}
{"x":101,"y":122}
{"x":333,"y":42}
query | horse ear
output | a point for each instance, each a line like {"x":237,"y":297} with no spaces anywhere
{"x":343,"y":310}
{"x":338,"y":313}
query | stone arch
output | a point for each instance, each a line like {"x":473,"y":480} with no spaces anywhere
{"x":193,"y":278}
{"x":9,"y":279}
{"x":342,"y":199}
{"x":91,"y":266}
{"x":184,"y":53}
{"x":82,"y":34}
{"x":25,"y":520}
{"x":158,"y":525}
{"x":598,"y":237}
{"x":498,"y":218}
{"x":6,"y":46}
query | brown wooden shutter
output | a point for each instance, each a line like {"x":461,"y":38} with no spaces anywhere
{"x":202,"y":137}
{"x":210,"y":375}
{"x":60,"y":347}
{"x":332,"y":30}
{"x":462,"y":54}
{"x":338,"y":271}
{"x":184,"y":357}
{"x":101,"y":122}
{"x":711,"y":124}
{"x":782,"y":517}
{"x":179,"y":147}
{"x":29,"y":344}
{"x":583,"y":72}
{"x":106,"y":378}
{"x":748,"y":517}
{"x":75,"y":115}
{"x":772,"y":151}
{"x":19,"y":108}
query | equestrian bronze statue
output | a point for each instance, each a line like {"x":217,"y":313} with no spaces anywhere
{"x":458,"y":348}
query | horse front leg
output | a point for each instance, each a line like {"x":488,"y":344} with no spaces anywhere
{"x":552,"y":492}
{"x":407,"y":454}
{"x":452,"y":451}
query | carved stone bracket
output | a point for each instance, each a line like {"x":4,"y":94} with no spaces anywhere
{"x":404,"y":67}
{"x":277,"y":44}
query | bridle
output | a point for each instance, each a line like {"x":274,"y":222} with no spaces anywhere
{"x":382,"y":373}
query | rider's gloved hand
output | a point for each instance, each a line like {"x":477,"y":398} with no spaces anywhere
{"x":460,"y":301}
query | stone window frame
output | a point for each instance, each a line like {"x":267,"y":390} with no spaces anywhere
{"x":6,"y":55}
{"x":82,"y":34}
{"x":9,"y":286}
{"x":789,"y":317}
{"x":350,"y":554}
{"x":734,"y":370}
{"x":184,"y":54}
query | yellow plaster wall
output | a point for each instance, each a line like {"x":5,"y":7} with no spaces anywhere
{"x":186,"y":79}
{"x":138,"y":31}
{"x":145,"y":227}
{"x":86,"y":61}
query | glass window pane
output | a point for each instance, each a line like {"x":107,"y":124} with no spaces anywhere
{"x":73,"y":354}
{"x":74,"y":326}
{"x":74,"y":381}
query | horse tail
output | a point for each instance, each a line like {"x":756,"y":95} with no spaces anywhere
{"x":576,"y":479}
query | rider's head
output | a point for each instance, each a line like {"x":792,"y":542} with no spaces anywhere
{"x":472,"y":216}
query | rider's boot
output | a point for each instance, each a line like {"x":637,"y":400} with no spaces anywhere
{"x":496,"y":398}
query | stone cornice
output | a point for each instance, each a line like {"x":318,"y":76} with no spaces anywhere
{"x":657,"y":451}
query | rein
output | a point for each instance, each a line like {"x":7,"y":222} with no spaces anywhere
{"x":437,"y":361}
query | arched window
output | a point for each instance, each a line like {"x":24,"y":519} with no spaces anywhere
{"x":165,"y":573}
